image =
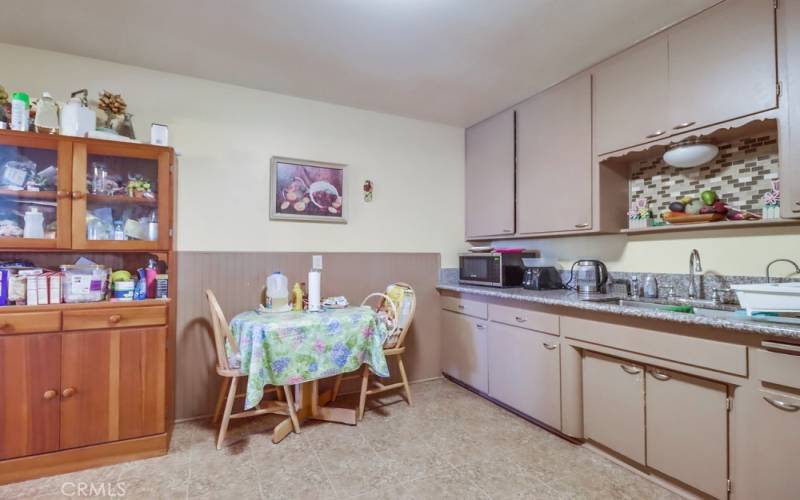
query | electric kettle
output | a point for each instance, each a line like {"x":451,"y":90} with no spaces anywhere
{"x":589,"y":276}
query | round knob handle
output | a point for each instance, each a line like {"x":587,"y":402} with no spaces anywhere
{"x":62,"y":194}
{"x":114,"y":318}
{"x":68,"y":392}
{"x":78,"y":195}
{"x":4,"y":326}
{"x":49,"y":394}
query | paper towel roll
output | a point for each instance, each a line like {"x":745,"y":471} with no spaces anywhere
{"x":314,"y":283}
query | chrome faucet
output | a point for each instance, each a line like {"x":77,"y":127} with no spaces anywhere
{"x":796,"y":267}
{"x":694,"y":267}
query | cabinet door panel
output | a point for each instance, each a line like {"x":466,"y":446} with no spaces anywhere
{"x":98,"y":202}
{"x":631,"y":97}
{"x":613,"y":404}
{"x":722,"y":64}
{"x":52,"y":159}
{"x":29,"y":391}
{"x":524,"y":372}
{"x":142,"y":372}
{"x":770,"y":459}
{"x":789,"y":120}
{"x":490,"y":177}
{"x":464,"y":350}
{"x":687,"y":430}
{"x":89,"y":384}
{"x":554,"y":159}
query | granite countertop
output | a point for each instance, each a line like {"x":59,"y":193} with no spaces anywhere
{"x":568,"y":298}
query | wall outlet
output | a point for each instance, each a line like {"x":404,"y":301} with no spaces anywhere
{"x":316,"y":262}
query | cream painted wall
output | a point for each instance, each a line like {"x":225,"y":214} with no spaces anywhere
{"x":743,"y":252}
{"x":227,"y":134}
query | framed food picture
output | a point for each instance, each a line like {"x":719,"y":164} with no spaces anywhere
{"x":304,"y":190}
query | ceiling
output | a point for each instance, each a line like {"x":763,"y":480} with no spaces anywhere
{"x":447,"y":61}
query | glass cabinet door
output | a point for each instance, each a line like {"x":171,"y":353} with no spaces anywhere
{"x":120,"y":197}
{"x":34,"y":191}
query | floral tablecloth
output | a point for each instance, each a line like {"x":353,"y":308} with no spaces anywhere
{"x":294,"y":347}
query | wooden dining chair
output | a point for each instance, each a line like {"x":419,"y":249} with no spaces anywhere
{"x":396,"y":307}
{"x":231,"y":374}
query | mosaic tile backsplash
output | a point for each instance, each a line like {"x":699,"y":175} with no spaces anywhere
{"x":741,"y":175}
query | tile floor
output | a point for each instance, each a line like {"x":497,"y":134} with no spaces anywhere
{"x":450,"y":444}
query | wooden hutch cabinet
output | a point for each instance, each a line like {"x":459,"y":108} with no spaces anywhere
{"x":85,"y":384}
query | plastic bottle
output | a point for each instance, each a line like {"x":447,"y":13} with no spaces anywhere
{"x":150,"y":273}
{"x":34,"y":224}
{"x":20,"y":105}
{"x":297,"y":299}
{"x":277,"y":292}
{"x":119,"y":232}
{"x":650,"y":287}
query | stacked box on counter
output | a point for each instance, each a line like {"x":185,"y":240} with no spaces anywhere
{"x":43,"y":289}
{"x":31,"y":286}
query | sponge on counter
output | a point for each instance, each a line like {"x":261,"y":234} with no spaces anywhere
{"x":678,"y":309}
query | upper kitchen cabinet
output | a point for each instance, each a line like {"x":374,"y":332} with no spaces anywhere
{"x":35,"y":177}
{"x":554,"y":159}
{"x":722,"y":64}
{"x":631,"y":96}
{"x":789,"y":121}
{"x":121,"y":196}
{"x":490,"y":177}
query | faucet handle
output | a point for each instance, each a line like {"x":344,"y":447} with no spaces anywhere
{"x":670,"y":289}
{"x":720,"y":295}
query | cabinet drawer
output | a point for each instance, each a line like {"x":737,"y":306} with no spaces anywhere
{"x":711,"y":354}
{"x":30,"y":322}
{"x":465,"y":306}
{"x":777,"y":367}
{"x":523,"y":318}
{"x":115,"y":317}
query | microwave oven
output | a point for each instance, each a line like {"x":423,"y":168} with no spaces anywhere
{"x":492,"y":269}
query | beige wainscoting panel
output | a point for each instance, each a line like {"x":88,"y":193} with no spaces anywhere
{"x":237,"y":279}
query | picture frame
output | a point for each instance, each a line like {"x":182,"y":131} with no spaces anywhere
{"x":307,"y":191}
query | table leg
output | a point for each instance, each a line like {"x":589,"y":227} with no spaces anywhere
{"x":311,"y":405}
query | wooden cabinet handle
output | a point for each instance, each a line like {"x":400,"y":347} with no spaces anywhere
{"x":49,"y":394}
{"x":114,"y":318}
{"x":683,"y":125}
{"x":62,"y":194}
{"x":4,"y":326}
{"x":68,"y":392}
{"x":78,"y":195}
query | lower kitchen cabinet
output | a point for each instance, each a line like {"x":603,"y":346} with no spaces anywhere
{"x":29,"y":408}
{"x":67,"y":390}
{"x":613,"y":404}
{"x":773,"y":445}
{"x":464,"y":355}
{"x":687,"y":429}
{"x":113,"y":379}
{"x":524,"y":372}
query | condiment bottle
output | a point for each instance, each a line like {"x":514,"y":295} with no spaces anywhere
{"x":20,"y":104}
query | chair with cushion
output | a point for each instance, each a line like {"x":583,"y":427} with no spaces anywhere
{"x":228,"y":369}
{"x":396,"y":308}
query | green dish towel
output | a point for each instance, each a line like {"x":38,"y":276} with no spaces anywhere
{"x":678,"y":309}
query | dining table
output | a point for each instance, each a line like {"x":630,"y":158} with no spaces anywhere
{"x":300,"y":348}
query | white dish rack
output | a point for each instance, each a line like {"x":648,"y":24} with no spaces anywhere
{"x":769,"y":297}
